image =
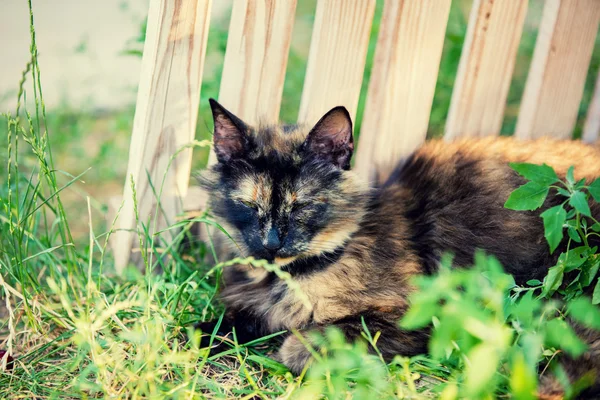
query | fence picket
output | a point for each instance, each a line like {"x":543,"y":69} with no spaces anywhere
{"x":258,"y":45}
{"x":407,"y":58}
{"x":558,"y":70}
{"x":486,"y":66}
{"x":165,"y":118}
{"x":337,"y":56}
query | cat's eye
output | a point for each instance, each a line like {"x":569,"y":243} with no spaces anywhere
{"x":250,"y":204}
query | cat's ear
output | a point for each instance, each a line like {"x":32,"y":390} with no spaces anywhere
{"x":230,"y":138}
{"x":331,"y":138}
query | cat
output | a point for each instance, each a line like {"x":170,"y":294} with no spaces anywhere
{"x":287,"y":194}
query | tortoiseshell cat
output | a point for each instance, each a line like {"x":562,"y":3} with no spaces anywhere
{"x":286,"y":194}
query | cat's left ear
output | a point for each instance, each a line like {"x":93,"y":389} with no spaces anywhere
{"x":331,"y":138}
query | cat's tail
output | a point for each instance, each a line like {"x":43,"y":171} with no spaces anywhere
{"x":583,"y":372}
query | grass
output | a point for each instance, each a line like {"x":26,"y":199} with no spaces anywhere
{"x":77,"y":330}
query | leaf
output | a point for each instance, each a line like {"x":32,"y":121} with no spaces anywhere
{"x":523,"y":378}
{"x":525,"y":309}
{"x":531,"y":347}
{"x":534,"y":282}
{"x":594,"y":190}
{"x":548,"y":353}
{"x":542,"y":174}
{"x":443,"y":337}
{"x":553,"y":280}
{"x":579,"y":202}
{"x":574,"y":286}
{"x":571,"y":175}
{"x":554,"y":219}
{"x":596,"y":295}
{"x":574,"y":258}
{"x":481,"y":369}
{"x":582,"y":310}
{"x":450,"y":392}
{"x":419,"y":315}
{"x":573,"y":234}
{"x":595,"y":227}
{"x":563,"y":192}
{"x":560,"y":335}
{"x":528,"y":197}
{"x":590,"y":272}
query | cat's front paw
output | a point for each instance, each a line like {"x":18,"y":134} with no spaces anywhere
{"x":294,"y":355}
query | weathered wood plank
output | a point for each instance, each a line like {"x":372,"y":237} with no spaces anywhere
{"x":403,"y":78}
{"x":337,"y":56}
{"x":591,"y":129}
{"x":165,"y":117}
{"x":485,"y":69}
{"x":557,"y":74}
{"x":258,"y":45}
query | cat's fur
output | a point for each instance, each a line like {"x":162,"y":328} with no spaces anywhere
{"x":286,"y":194}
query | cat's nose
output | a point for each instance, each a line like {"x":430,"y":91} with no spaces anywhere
{"x":272,"y":242}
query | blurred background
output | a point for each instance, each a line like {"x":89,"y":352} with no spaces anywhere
{"x":90,"y":56}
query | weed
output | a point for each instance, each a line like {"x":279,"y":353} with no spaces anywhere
{"x":572,"y":215}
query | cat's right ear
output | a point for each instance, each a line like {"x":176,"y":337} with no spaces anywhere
{"x":230,"y":138}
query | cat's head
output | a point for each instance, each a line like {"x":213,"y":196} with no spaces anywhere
{"x":285,"y":192}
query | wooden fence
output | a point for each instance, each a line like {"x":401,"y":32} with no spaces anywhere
{"x":400,"y":92}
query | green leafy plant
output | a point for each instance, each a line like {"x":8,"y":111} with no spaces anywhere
{"x":493,"y":342}
{"x":344,"y":370}
{"x":494,"y":334}
{"x":467,"y":310}
{"x":573,"y":215}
